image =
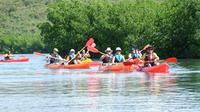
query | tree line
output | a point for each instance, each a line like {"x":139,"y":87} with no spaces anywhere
{"x":172,"y":26}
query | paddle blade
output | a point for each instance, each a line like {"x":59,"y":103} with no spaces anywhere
{"x":38,"y":54}
{"x":172,"y":60}
{"x":89,"y":42}
{"x":92,"y":49}
{"x":145,"y":47}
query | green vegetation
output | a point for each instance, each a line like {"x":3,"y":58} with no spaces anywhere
{"x":172,"y":26}
{"x":20,"y":44}
{"x":18,"y":25}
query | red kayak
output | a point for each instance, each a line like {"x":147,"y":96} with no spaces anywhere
{"x":116,"y":67}
{"x":72,"y":66}
{"x":94,"y":63}
{"x":21,"y":59}
{"x":162,"y":68}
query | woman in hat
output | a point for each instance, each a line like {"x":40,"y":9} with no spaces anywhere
{"x":150,"y":57}
{"x":72,"y":58}
{"x":107,"y":58}
{"x":118,"y":58}
{"x":54,"y":57}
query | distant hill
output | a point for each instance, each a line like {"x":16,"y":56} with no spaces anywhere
{"x":21,"y":17}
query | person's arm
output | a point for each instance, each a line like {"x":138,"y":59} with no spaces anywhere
{"x":102,"y":57}
{"x":143,"y":56}
{"x":156,"y":57}
{"x":123,"y":58}
{"x":130,"y":56}
{"x":113,"y":59}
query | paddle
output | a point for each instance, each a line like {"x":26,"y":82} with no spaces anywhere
{"x":40,"y":54}
{"x":94,"y":50}
{"x":169,"y":60}
{"x":88,"y":43}
{"x":145,"y":47}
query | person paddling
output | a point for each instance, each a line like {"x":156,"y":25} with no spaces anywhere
{"x":72,"y":58}
{"x":150,"y":57}
{"x":8,"y":56}
{"x":107,"y":58}
{"x":135,"y":54}
{"x":118,"y":58}
{"x":84,"y":55}
{"x":54,"y":57}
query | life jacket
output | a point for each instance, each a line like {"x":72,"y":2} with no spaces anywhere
{"x":149,"y":57}
{"x":71,"y":56}
{"x":118,"y":58}
{"x":135,"y":55}
{"x":108,"y":59}
{"x":7,"y":57}
{"x":53,"y":60}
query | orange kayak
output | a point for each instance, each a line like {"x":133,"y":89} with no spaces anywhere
{"x":162,"y":68}
{"x":72,"y":66}
{"x":117,"y":67}
{"x":21,"y":59}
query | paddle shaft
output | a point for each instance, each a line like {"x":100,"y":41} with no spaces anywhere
{"x":76,"y":54}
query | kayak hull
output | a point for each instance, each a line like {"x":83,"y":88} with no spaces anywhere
{"x":117,"y":68}
{"x":21,"y":59}
{"x":73,"y":66}
{"x":162,"y":68}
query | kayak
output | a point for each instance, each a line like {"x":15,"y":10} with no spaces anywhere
{"x":117,"y":67}
{"x":72,"y":66}
{"x":21,"y":59}
{"x":162,"y":68}
{"x":91,"y":63}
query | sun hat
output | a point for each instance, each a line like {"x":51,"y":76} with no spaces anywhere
{"x":72,"y":50}
{"x":118,"y":49}
{"x":55,"y":49}
{"x":108,"y":49}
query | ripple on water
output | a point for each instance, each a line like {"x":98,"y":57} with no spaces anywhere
{"x":29,"y":87}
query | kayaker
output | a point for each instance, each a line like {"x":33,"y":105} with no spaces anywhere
{"x":84,"y":55}
{"x":135,"y":54}
{"x":72,"y":58}
{"x":150,"y":57}
{"x":107,"y":58}
{"x":8,"y":56}
{"x":54,"y":57}
{"x":118,"y":58}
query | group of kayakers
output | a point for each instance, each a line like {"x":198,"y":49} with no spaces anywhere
{"x":149,"y":58}
{"x":71,"y":58}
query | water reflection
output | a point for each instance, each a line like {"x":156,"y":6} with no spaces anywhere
{"x":35,"y":88}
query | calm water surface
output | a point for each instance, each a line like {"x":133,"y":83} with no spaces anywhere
{"x":29,"y":87}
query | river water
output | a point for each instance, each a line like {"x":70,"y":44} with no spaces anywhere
{"x":29,"y":87}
